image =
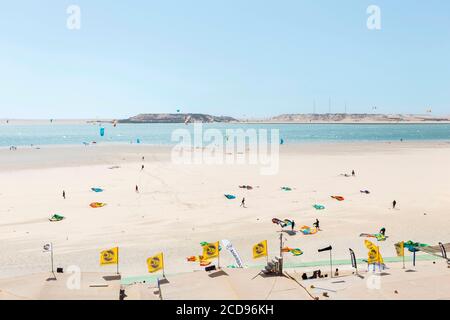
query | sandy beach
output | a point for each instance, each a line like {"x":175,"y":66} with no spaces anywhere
{"x":179,"y":206}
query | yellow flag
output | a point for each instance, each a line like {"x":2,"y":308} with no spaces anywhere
{"x":155,"y":263}
{"x":374,"y":255}
{"x":260,"y":250}
{"x":210,"y":250}
{"x":400,"y":248}
{"x":110,"y":256}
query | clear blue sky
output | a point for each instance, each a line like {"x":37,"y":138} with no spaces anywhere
{"x":254,"y":57}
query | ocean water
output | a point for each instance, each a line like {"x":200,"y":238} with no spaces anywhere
{"x":161,"y":134}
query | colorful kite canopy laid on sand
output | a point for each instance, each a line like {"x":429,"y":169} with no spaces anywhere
{"x":203,"y":262}
{"x":286,"y":189}
{"x":338,"y":198}
{"x":97,"y":204}
{"x":97,"y":189}
{"x":318,"y":207}
{"x":282,"y":223}
{"x":294,"y":251}
{"x":56,"y":217}
{"x":230,"y":196}
{"x":278,"y":221}
{"x":378,"y":236}
{"x":308,"y":230}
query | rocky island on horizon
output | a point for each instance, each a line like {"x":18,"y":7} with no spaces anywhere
{"x":286,"y":118}
{"x":176,"y":118}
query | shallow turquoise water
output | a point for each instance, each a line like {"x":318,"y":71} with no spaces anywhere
{"x":160,"y":134}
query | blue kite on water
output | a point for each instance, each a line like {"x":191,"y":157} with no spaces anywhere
{"x":97,"y":189}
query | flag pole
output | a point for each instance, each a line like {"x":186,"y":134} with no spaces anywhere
{"x":378,"y":258}
{"x":162,"y":255}
{"x":218,"y":258}
{"x":281,"y":254}
{"x":403,"y":254}
{"x":331,"y":264}
{"x":51,"y":245}
{"x":118,"y":260}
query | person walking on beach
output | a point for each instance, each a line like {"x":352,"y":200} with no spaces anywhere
{"x":292,"y":225}
{"x":243,"y":203}
{"x":137,"y":189}
{"x":64,"y":194}
{"x":316,"y":224}
{"x":353,"y":173}
{"x":394,"y":203}
{"x":142,"y":168}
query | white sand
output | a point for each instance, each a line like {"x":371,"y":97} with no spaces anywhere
{"x":181,"y":205}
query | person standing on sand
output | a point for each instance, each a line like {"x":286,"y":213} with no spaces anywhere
{"x":64,"y":194}
{"x":316,"y":224}
{"x":137,"y":189}
{"x":394,"y":203}
{"x":292,"y":225}
{"x":353,"y":173}
{"x":142,"y":168}
{"x":243,"y":203}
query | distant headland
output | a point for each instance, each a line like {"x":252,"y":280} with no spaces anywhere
{"x":176,"y":118}
{"x":363,"y":118}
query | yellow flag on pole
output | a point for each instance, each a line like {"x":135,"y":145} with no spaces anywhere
{"x":260,"y":250}
{"x":211,"y":250}
{"x":155,"y":263}
{"x":400,"y":248}
{"x":374,"y":255}
{"x":110,"y":256}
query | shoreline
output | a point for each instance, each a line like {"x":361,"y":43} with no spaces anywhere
{"x":57,"y":156}
{"x":290,"y":144}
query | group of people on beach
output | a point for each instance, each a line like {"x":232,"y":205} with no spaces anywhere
{"x":136,"y":188}
{"x":353,"y":174}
